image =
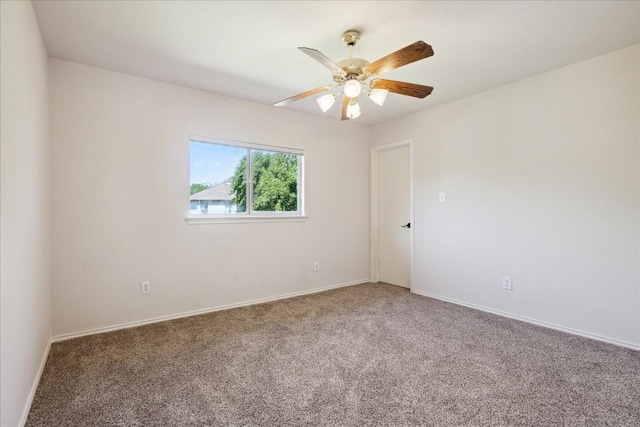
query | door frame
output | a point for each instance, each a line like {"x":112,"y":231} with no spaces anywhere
{"x":375,"y":205}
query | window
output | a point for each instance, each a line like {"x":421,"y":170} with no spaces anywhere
{"x":234,"y":181}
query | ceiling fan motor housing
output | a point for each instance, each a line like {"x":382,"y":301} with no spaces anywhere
{"x":355,"y":68}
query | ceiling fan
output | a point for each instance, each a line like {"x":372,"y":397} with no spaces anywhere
{"x":354,"y":73}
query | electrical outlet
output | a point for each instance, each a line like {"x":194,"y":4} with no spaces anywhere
{"x":507,"y":283}
{"x":145,"y":287}
{"x":316,"y":266}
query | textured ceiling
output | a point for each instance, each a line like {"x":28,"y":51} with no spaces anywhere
{"x":248,"y":49}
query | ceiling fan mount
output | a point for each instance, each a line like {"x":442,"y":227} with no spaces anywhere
{"x":351,"y":38}
{"x":353,"y":73}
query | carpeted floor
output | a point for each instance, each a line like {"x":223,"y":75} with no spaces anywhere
{"x":370,"y":354}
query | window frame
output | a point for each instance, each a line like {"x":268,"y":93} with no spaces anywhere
{"x":250,"y":215}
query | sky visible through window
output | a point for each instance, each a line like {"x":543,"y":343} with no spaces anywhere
{"x":213,"y":163}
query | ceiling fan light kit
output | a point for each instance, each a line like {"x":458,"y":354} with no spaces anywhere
{"x":352,"y":88}
{"x":353,"y":109}
{"x":326,"y":101}
{"x":378,"y":95}
{"x":353,"y":73}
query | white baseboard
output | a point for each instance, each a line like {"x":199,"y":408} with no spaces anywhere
{"x":532,"y":321}
{"x":34,"y":386}
{"x":65,"y":337}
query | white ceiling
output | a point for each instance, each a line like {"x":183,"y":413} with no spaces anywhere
{"x":247,"y":49}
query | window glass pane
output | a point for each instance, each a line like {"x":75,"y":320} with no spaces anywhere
{"x":217,"y":179}
{"x":221,"y":182}
{"x":275,"y":181}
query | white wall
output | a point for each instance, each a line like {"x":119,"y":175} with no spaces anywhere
{"x":24,"y":209}
{"x":542,"y":180}
{"x":120,"y":155}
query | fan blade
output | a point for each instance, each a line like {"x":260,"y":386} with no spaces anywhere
{"x":403,"y":88}
{"x":345,"y":104}
{"x":303,"y":95}
{"x":319,"y":56}
{"x":413,"y":52}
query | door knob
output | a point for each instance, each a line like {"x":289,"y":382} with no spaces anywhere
{"x":407,"y":225}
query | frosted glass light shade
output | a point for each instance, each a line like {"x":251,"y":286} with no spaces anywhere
{"x":352,"y":88}
{"x":378,"y":95}
{"x":325,"y":102}
{"x":353,"y":110}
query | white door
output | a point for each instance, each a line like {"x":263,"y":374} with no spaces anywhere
{"x":394,"y":216}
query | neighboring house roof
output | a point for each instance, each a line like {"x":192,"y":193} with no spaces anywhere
{"x":217,"y":192}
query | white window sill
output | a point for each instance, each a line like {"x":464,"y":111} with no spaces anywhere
{"x":235,"y":219}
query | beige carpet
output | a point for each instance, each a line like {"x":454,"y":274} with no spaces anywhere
{"x":370,"y":354}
